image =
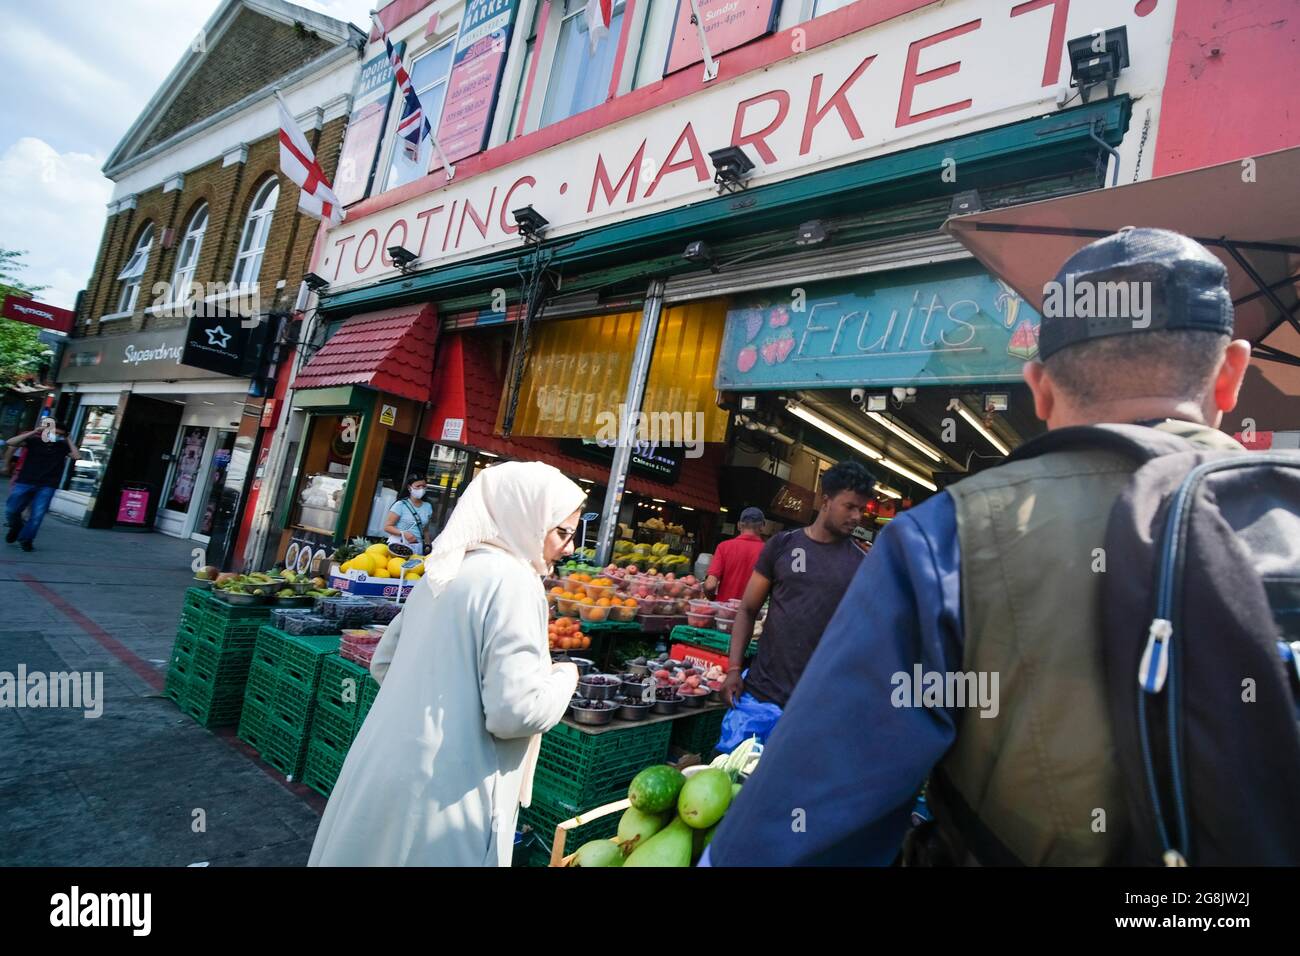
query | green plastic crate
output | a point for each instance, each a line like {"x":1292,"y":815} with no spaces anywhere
{"x":334,"y":689}
{"x":302,"y":657}
{"x":262,"y":682}
{"x":226,"y":663}
{"x":698,"y":734}
{"x":283,"y":749}
{"x":269,"y":648}
{"x":321,"y":769}
{"x":253,"y":722}
{"x":293,"y":707}
{"x":584,"y":770}
{"x":546,"y":814}
{"x":332,"y":731}
{"x":213,"y":635}
{"x":709,"y":639}
{"x":176,"y":683}
{"x":196,"y":598}
{"x":234,"y":612}
{"x":184,"y":646}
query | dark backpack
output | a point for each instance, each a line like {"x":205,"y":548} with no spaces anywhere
{"x":1202,"y":645}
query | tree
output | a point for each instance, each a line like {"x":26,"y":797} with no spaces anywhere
{"x":21,"y":348}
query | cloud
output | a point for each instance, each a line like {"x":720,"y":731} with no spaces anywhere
{"x":52,"y":206}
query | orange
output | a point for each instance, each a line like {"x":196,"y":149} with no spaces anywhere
{"x":603,"y":602}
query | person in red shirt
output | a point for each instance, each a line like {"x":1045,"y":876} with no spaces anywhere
{"x":733,"y":562}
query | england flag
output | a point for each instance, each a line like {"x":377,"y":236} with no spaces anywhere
{"x":298,"y":162}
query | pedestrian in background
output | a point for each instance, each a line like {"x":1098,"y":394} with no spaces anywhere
{"x":47,"y":450}
{"x":733,"y":562}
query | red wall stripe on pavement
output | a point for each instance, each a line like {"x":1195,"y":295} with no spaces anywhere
{"x":150,"y":675}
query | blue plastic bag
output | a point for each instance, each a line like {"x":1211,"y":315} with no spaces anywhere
{"x":749,"y":718}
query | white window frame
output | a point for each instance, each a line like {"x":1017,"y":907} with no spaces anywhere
{"x":261,"y":216}
{"x":395,"y":111}
{"x":184,"y":272}
{"x":132,"y":274}
{"x":546,"y":58}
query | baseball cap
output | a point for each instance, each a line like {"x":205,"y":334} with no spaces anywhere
{"x":752,"y":514}
{"x":1136,"y":280}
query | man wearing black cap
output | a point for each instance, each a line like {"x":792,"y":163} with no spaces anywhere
{"x":733,"y":562}
{"x":997,"y":578}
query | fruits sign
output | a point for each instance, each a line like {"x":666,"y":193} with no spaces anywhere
{"x":938,"y":325}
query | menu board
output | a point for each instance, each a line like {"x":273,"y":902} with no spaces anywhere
{"x":475,"y":77}
{"x":727,"y":25}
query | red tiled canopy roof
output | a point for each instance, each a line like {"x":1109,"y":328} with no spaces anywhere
{"x":389,"y":351}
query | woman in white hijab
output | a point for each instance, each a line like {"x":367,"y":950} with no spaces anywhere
{"x":446,"y":754}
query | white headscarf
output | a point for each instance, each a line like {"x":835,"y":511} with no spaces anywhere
{"x":510,"y":507}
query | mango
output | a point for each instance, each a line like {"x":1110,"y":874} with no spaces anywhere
{"x":704,"y":798}
{"x":671,"y":846}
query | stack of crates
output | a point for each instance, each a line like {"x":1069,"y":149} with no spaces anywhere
{"x":280,"y":697}
{"x":700,"y":733}
{"x":211,"y":657}
{"x":343,"y":697}
{"x":579,"y":771}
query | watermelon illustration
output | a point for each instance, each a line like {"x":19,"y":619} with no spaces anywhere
{"x":778,"y":317}
{"x":1024,"y":341}
{"x":746,"y":358}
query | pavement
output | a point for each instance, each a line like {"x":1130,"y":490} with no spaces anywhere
{"x":142,"y":784}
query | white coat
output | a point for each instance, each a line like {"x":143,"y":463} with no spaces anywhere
{"x":436,"y":775}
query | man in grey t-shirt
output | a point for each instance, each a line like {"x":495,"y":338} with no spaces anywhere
{"x":804,"y":572}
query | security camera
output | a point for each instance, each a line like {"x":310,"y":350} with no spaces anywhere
{"x":858,"y":396}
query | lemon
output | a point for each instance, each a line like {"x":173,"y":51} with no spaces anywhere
{"x":411,"y":576}
{"x":380,"y":573}
{"x":378,"y":550}
{"x":345,"y":567}
{"x":363,"y":562}
{"x":395,"y":567}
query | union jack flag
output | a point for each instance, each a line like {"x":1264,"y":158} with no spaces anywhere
{"x":413,"y":125}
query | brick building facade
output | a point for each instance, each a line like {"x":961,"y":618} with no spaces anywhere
{"x":196,"y":217}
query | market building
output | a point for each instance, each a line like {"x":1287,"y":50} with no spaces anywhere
{"x":622,"y":232}
{"x":168,"y":382}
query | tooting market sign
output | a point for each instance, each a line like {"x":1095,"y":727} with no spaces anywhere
{"x":945,"y":70}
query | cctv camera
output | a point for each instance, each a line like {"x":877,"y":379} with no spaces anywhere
{"x":858,"y":396}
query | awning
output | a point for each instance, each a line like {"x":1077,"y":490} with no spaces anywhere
{"x":1247,"y":213}
{"x":390,"y":351}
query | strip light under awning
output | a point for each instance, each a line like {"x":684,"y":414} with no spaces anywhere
{"x":976,"y":424}
{"x":857,"y":445}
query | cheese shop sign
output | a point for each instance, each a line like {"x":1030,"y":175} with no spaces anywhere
{"x":943,"y":325}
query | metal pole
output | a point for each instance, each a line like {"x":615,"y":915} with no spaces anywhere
{"x":645,"y":344}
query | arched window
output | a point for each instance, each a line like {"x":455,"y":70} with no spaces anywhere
{"x":187,"y":259}
{"x":248,"y":264}
{"x":133,"y":272}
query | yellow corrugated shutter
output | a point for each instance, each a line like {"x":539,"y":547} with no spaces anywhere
{"x":578,"y":369}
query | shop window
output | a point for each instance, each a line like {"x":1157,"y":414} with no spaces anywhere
{"x":322,"y":481}
{"x":579,"y":78}
{"x":448,"y":469}
{"x":93,"y":436}
{"x":530,"y":52}
{"x":656,"y":34}
{"x":187,"y":259}
{"x":820,"y":7}
{"x":429,"y":74}
{"x":257,"y":227}
{"x":132,"y":273}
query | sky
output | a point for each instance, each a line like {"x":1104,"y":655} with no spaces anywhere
{"x":77,"y":74}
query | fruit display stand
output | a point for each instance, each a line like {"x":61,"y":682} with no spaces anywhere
{"x":699,"y":733}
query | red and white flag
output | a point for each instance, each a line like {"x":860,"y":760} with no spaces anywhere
{"x":298,"y":162}
{"x":598,"y":16}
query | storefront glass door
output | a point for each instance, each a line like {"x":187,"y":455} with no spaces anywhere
{"x":185,"y":470}
{"x":215,"y":486}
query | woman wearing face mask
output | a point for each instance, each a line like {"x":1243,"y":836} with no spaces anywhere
{"x":407,"y":522}
{"x":446,"y":755}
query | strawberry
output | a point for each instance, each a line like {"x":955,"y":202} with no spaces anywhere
{"x":746,"y":359}
{"x":770,"y":351}
{"x":778,"y":317}
{"x":784,"y":345}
